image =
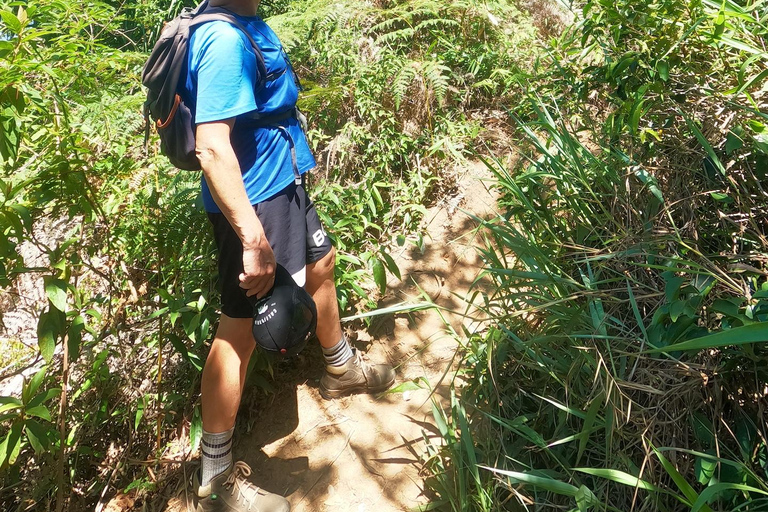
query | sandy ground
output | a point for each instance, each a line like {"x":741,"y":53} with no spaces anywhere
{"x":364,"y":453}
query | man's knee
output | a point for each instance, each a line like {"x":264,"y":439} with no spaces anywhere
{"x":236,"y":332}
{"x":321,"y":270}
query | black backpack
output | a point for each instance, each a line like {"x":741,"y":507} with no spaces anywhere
{"x":161,"y":75}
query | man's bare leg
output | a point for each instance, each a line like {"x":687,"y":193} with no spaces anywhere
{"x":345,"y":372}
{"x":321,"y":287}
{"x":222,"y":387}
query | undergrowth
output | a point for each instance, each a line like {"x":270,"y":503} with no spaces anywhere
{"x":625,"y":365}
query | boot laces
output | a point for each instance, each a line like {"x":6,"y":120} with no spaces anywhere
{"x":238,"y":482}
{"x":361,"y":362}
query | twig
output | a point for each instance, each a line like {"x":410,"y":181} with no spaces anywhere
{"x":329,"y":466}
{"x":101,"y":504}
{"x":324,"y":425}
{"x":62,"y":427}
{"x":22,"y":369}
{"x":137,"y":462}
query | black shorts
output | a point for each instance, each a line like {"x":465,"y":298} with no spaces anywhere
{"x":294,"y":232}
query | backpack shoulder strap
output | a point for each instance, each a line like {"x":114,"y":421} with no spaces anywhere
{"x":209,"y":14}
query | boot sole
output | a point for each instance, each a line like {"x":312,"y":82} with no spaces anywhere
{"x":330,"y":394}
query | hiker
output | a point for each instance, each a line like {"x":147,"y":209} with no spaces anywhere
{"x":253,"y":189}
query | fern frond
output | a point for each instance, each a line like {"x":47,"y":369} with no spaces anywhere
{"x":388,"y":25}
{"x":437,"y":24}
{"x":436,"y":76}
{"x":397,"y":35}
{"x":403,"y":80}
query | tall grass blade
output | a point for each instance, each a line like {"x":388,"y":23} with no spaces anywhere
{"x":754,"y":333}
{"x":619,"y":477}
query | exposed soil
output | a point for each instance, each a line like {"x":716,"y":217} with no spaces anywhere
{"x":364,"y":453}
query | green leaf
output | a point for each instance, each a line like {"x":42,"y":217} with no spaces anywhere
{"x":10,"y":400}
{"x":760,"y":142}
{"x":583,"y":498}
{"x":44,"y":397}
{"x":672,"y":286}
{"x":391,"y":265}
{"x":704,"y":469}
{"x":756,"y":126}
{"x":702,"y":429}
{"x":721,"y":197}
{"x":713,"y":490}
{"x":11,"y":445}
{"x":11,"y":21}
{"x":24,"y":215}
{"x":755,"y":333}
{"x":397,"y":308}
{"x":728,"y":307}
{"x":56,"y":290}
{"x":380,"y":276}
{"x":409,"y":385}
{"x":75,"y":336}
{"x":541,"y":482}
{"x":178,"y":345}
{"x":676,"y":309}
{"x":4,"y":450}
{"x":39,"y":411}
{"x":734,"y":141}
{"x":704,"y":143}
{"x":621,"y":477}
{"x":140,"y":406}
{"x":747,"y":436}
{"x":663,"y":68}
{"x":719,"y":24}
{"x":648,"y":179}
{"x":29,"y":390}
{"x":8,"y":403}
{"x":47,"y":332}
{"x":678,"y":479}
{"x":195,"y":428}
{"x":594,"y":408}
{"x":637,"y":112}
{"x":36,"y":434}
{"x":439,"y":420}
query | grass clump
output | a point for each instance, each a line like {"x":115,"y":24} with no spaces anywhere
{"x":626,"y":366}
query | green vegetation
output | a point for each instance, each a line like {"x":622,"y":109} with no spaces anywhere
{"x":624,"y":366}
{"x":113,"y":235}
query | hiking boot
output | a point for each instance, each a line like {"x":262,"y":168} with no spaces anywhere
{"x":232,"y":492}
{"x":355,"y":376}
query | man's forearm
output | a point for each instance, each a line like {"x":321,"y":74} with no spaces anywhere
{"x":222,"y":173}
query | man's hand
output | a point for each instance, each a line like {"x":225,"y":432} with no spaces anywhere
{"x":258,"y":275}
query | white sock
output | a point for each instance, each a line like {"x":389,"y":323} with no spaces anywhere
{"x":216,"y":454}
{"x":339,"y":354}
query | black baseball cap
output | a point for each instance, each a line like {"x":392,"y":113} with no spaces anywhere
{"x":285,"y":318}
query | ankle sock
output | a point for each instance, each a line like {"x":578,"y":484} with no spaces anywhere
{"x":216,"y":454}
{"x":339,"y":354}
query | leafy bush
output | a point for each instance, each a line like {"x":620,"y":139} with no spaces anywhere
{"x":118,"y":263}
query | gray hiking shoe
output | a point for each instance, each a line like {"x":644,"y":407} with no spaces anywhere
{"x":355,"y":376}
{"x":232,"y":492}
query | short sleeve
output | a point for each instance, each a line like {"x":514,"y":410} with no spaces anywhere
{"x":225,"y":70}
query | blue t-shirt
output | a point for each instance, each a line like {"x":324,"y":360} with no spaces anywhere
{"x":221,"y":79}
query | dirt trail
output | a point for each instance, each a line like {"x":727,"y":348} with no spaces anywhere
{"x":360,"y":453}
